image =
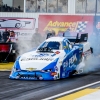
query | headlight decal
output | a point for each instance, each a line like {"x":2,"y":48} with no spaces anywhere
{"x":51,"y":65}
{"x":18,"y":58}
{"x":17,"y":66}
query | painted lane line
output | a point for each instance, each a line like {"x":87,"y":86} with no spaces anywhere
{"x":92,"y":96}
{"x":3,"y":70}
{"x":81,"y":93}
{"x":70,"y":91}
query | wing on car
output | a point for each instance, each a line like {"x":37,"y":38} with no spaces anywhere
{"x":77,"y":39}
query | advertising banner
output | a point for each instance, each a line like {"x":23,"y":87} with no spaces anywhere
{"x":62,"y":23}
{"x":23,"y":27}
{"x":17,"y":23}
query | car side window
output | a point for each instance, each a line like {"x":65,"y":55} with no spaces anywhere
{"x":70,"y":46}
{"x":66,"y":45}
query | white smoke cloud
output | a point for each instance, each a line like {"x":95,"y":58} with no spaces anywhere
{"x":93,"y":63}
{"x":27,"y":45}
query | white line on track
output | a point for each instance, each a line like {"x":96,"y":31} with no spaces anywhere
{"x":70,"y":91}
{"x":3,"y":70}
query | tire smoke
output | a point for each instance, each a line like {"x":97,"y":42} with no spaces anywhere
{"x":93,"y":63}
{"x":28,"y":45}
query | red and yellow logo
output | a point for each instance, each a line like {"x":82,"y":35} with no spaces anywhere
{"x":61,"y":26}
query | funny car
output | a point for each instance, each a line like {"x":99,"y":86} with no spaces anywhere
{"x":55,"y":58}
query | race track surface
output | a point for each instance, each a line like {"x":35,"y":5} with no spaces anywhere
{"x":37,"y":90}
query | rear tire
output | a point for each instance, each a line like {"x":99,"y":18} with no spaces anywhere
{"x":71,"y":73}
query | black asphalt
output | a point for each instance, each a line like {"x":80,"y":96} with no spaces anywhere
{"x":37,"y":90}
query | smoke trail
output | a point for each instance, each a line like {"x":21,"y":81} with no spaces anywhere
{"x":93,"y":63}
{"x":27,"y":45}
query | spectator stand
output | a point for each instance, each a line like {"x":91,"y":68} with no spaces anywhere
{"x":6,"y":8}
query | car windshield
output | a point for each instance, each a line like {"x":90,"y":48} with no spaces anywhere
{"x":53,"y":45}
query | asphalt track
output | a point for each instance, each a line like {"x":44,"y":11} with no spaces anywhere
{"x":37,"y":90}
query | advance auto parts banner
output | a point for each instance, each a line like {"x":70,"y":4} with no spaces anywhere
{"x":23,"y":27}
{"x":60,"y":23}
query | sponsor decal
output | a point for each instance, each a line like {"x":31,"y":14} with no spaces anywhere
{"x":22,"y":33}
{"x":41,"y":55}
{"x":56,"y":68}
{"x":53,"y":73}
{"x":57,"y":52}
{"x":29,"y":59}
{"x":65,"y":64}
{"x":72,"y":60}
{"x":31,"y":69}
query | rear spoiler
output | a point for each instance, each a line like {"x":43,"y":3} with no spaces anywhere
{"x":77,"y":39}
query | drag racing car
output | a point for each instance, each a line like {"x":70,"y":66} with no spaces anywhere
{"x":55,"y":58}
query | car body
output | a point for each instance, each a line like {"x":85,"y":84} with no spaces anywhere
{"x":13,"y":23}
{"x":54,"y":59}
